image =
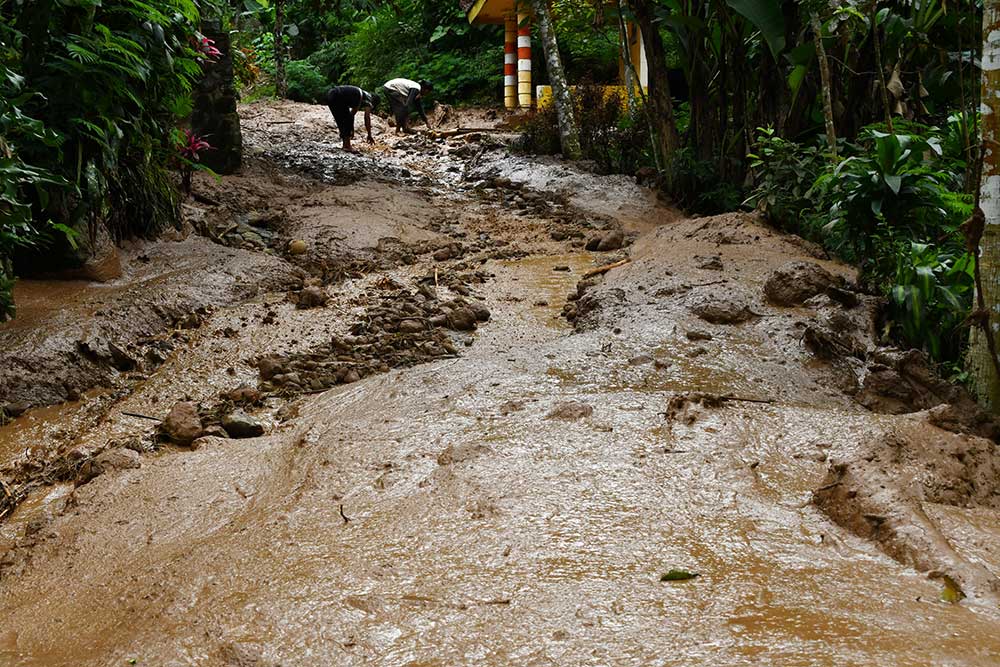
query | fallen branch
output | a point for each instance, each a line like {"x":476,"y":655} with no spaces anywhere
{"x":601,"y":270}
{"x":461,"y":130}
{"x":140,"y":416}
{"x":344,"y":516}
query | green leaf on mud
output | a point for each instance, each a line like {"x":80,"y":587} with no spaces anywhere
{"x":678,"y":575}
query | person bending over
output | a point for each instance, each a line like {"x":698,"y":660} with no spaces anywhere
{"x":344,"y":103}
{"x":404,"y":96}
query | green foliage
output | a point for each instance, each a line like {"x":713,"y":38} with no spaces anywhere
{"x":784,"y":174}
{"x":305,"y":82}
{"x":931,"y":297}
{"x":697,"y":186}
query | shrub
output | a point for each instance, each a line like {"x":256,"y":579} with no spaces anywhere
{"x":305,"y":82}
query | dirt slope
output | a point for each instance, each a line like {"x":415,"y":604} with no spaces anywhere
{"x":515,"y":503}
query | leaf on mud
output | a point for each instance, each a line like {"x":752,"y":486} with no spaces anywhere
{"x":678,"y":575}
{"x":951,"y":593}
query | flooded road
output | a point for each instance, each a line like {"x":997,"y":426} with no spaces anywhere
{"x":515,"y":505}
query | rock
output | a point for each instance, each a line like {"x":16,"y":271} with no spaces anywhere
{"x":561,"y":267}
{"x":239,"y":424}
{"x":697,"y":335}
{"x":593,"y":243}
{"x":794,"y":283}
{"x":15,"y":410}
{"x":411,"y":326}
{"x":558,"y":235}
{"x":121,"y":359}
{"x":640,"y":360}
{"x":351,"y":376}
{"x":297,"y":247}
{"x":482,"y":312}
{"x":312,"y":297}
{"x":571,"y":410}
{"x":713,"y":263}
{"x":511,"y":406}
{"x":462,"y":319}
{"x":183,"y":424}
{"x":244,"y":394}
{"x":721,"y":309}
{"x":270,"y":367}
{"x":442,"y":255}
{"x":613,"y":240}
{"x":118,"y":458}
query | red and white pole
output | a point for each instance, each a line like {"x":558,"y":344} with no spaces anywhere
{"x":524,"y":60}
{"x":510,"y":63}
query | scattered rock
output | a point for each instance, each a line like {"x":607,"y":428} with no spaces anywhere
{"x":244,"y":394}
{"x":270,"y":367}
{"x":712,"y":263}
{"x":121,"y":359}
{"x":297,"y":247}
{"x":721,"y":309}
{"x":613,"y":240}
{"x":640,"y":360}
{"x":442,"y":255}
{"x":482,"y":312}
{"x":183,"y":424}
{"x":239,"y":424}
{"x":312,"y":297}
{"x":411,"y":326}
{"x":461,"y":452}
{"x":794,"y":283}
{"x":696,"y":335}
{"x":570,"y":410}
{"x":561,"y":267}
{"x":462,"y":319}
{"x":117,"y":458}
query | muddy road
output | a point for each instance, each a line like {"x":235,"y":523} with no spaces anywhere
{"x":474,"y":452}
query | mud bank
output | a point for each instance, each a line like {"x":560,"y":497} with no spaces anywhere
{"x":519,"y":501}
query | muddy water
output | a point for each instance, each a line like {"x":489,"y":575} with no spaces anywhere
{"x":481,"y":536}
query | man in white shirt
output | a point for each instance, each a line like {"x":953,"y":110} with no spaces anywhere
{"x":404,"y":95}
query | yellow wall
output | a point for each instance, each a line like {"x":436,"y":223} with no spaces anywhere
{"x":543,"y":94}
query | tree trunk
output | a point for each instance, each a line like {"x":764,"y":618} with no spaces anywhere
{"x":281,"y":84}
{"x":659,"y":85}
{"x":980,"y":361}
{"x":569,"y":139}
{"x":824,"y":72}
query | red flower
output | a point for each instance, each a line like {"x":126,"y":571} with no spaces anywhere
{"x":192,"y":146}
{"x":206,"y":48}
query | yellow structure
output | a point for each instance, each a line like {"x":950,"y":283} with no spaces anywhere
{"x":516,"y":19}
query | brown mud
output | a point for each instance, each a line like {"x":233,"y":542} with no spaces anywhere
{"x":471,"y":454}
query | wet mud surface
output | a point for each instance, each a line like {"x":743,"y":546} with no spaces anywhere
{"x":435,"y":487}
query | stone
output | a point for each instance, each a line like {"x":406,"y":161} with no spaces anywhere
{"x":442,"y":255}
{"x":794,"y":283}
{"x":121,"y":359}
{"x":244,"y":394}
{"x":118,"y":458}
{"x":613,"y":240}
{"x":697,"y":335}
{"x":351,"y":376}
{"x":270,"y":367}
{"x":183,"y":424}
{"x":312,"y":297}
{"x":239,"y":424}
{"x":721,"y":309}
{"x":462,"y":319}
{"x":482,"y":312}
{"x":592,"y":243}
{"x":411,"y":326}
{"x":297,"y":247}
{"x":570,"y":411}
{"x":712,"y":263}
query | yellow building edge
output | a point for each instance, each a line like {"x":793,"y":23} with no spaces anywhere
{"x":543,"y":94}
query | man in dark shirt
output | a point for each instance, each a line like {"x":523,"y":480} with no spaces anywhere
{"x":405,"y":95}
{"x":344,"y":103}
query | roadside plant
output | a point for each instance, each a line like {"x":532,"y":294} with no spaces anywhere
{"x":189,"y":149}
{"x":785,"y":172}
{"x":931,"y":298}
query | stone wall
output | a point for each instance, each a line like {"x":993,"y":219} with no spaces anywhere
{"x":214,"y":117}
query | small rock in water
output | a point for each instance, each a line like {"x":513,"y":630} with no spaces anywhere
{"x":239,"y":424}
{"x":183,"y":424}
{"x":297,"y":247}
{"x":794,"y":283}
{"x":561,"y":267}
{"x":118,"y":458}
{"x":721,"y":309}
{"x":570,"y":410}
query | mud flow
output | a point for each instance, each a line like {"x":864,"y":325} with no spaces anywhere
{"x":440,"y":404}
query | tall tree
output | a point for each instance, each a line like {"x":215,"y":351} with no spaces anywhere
{"x":569,"y":138}
{"x":827,"y":84}
{"x":668,"y":140}
{"x":983,"y":229}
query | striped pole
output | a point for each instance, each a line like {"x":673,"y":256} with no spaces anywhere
{"x":510,"y":63}
{"x":524,"y":60}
